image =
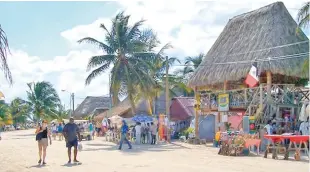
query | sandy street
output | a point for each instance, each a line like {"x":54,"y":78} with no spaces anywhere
{"x":18,"y":153}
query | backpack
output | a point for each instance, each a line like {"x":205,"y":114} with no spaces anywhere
{"x":39,"y":135}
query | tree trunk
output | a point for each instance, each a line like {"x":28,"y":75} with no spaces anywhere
{"x":150,"y":107}
{"x":132,"y":103}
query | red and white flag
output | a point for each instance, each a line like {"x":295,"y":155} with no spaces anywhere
{"x":252,"y":77}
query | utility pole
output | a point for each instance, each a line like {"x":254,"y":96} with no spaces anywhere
{"x":72,"y":96}
{"x":167,"y":100}
{"x":110,"y":94}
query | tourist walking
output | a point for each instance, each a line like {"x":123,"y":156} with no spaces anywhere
{"x":42,"y":136}
{"x":153,"y":130}
{"x":124,"y":131}
{"x":71,"y":131}
{"x":59,"y":130}
{"x":91,"y":130}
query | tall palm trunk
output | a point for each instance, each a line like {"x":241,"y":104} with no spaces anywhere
{"x":150,"y":105}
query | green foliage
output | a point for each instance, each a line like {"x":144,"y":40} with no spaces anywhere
{"x":61,"y":113}
{"x":186,"y":132}
{"x":20,"y":110}
{"x":303,"y":16}
{"x":4,"y":50}
{"x":43,"y":100}
{"x":128,"y":49}
{"x":227,"y":126}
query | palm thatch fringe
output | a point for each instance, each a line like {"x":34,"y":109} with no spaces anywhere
{"x":269,"y":26}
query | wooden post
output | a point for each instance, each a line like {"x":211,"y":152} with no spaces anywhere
{"x":261,"y":95}
{"x":167,"y":100}
{"x":245,"y":98}
{"x":196,"y":115}
{"x":222,"y":113}
{"x":269,"y":81}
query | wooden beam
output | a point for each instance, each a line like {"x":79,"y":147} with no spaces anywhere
{"x":225,"y":85}
{"x":196,"y":114}
{"x":269,"y":82}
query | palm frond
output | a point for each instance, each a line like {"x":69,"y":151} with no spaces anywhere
{"x":96,"y":72}
{"x":303,"y":16}
{"x":95,"y":42}
{"x":4,"y":51}
{"x":100,"y":60}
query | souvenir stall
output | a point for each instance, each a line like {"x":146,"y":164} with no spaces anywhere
{"x":235,"y":77}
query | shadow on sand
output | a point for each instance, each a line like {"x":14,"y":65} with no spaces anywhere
{"x":24,"y":135}
{"x":37,"y":166}
{"x":72,"y":164}
{"x":162,"y":147}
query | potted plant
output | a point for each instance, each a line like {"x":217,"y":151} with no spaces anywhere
{"x":227,"y":126}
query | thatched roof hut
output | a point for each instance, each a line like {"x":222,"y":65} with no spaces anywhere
{"x":266,"y":33}
{"x":91,"y":104}
{"x":123,"y":109}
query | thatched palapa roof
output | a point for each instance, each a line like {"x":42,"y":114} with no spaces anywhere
{"x":123,"y":109}
{"x":90,"y":104}
{"x":259,"y":35}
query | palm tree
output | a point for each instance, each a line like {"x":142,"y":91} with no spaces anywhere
{"x":303,"y":16}
{"x":62,"y":113}
{"x":157,"y":72}
{"x":182,"y":75}
{"x":43,"y":99}
{"x":192,"y":63}
{"x":5,"y":115}
{"x":303,"y":19}
{"x":4,"y":50}
{"x":20,"y":110}
{"x":126,"y":48}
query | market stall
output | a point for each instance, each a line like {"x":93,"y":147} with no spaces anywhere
{"x":237,"y":143}
{"x":297,"y":143}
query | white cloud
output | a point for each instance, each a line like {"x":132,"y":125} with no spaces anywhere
{"x":191,"y":27}
{"x":64,"y":72}
{"x":196,"y":24}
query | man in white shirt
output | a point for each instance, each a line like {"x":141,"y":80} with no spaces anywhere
{"x":268,"y":128}
{"x":138,"y":132}
{"x":304,"y":127}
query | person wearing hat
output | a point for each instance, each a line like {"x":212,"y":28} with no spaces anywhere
{"x":42,"y":136}
{"x":71,"y":131}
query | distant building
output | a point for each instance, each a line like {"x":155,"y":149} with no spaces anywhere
{"x":92,"y":105}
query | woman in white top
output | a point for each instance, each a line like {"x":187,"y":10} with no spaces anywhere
{"x":138,"y":132}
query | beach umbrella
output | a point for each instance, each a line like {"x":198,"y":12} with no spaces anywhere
{"x":142,"y":118}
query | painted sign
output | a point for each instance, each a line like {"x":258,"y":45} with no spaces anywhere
{"x":252,"y":124}
{"x":223,"y":102}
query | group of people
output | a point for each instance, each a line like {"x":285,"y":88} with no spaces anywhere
{"x":142,"y":133}
{"x":70,"y":132}
{"x":57,"y":130}
{"x":145,"y":133}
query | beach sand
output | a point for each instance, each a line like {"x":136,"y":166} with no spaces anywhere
{"x":18,"y":153}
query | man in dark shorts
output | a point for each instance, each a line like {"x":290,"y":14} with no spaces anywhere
{"x":71,"y":131}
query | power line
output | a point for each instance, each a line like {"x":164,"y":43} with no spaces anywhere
{"x":285,"y":57}
{"x":270,"y":48}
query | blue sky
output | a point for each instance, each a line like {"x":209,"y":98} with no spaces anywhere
{"x":35,"y":26}
{"x":43,"y":35}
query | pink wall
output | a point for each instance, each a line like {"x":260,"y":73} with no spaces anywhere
{"x":235,"y":120}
